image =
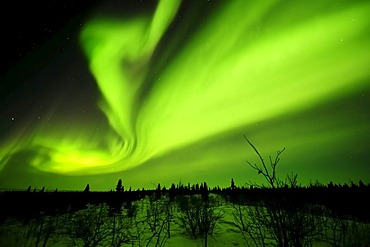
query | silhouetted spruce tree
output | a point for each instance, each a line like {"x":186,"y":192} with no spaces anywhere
{"x":330,"y":185}
{"x":172,"y":192}
{"x":29,"y":189}
{"x":87,"y":188}
{"x":119,"y":187}
{"x":361,"y":184}
{"x":158,"y":192}
{"x":205,"y":186}
{"x":232,"y":184}
{"x":204,"y":191}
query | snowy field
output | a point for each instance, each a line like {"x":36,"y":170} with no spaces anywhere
{"x":189,"y":221}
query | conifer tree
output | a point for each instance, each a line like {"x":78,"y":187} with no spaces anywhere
{"x":232,"y":184}
{"x":119,"y":187}
{"x":87,"y":188}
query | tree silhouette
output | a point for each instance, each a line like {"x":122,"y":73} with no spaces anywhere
{"x":232,"y":184}
{"x":88,"y":226}
{"x":119,"y":187}
{"x":87,"y":188}
{"x":198,"y":217}
{"x":268,"y":173}
{"x":286,"y":220}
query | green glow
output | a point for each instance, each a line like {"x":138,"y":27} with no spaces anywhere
{"x":250,"y":62}
{"x":248,"y":77}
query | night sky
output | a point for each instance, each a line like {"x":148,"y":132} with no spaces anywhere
{"x":164,"y":92}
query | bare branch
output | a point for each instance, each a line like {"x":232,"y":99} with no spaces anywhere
{"x":265,"y":171}
{"x":270,"y":176}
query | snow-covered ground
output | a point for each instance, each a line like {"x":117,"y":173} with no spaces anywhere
{"x":148,"y":222}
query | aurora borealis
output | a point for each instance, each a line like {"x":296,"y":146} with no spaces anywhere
{"x":164,"y":92}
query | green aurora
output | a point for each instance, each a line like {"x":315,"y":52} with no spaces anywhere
{"x":182,"y":84}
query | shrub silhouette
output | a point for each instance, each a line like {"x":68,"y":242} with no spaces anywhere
{"x":122,"y":225}
{"x":158,"y":218}
{"x":278,"y":216}
{"x":198,"y":217}
{"x":88,"y":226}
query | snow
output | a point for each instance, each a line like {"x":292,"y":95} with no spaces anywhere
{"x":147,"y":228}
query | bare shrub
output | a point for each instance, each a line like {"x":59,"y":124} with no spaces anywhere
{"x":276,"y":216}
{"x":122,"y":224}
{"x":88,"y":226}
{"x":159,"y":217}
{"x":248,"y":219}
{"x":342,"y":232}
{"x":42,"y":230}
{"x":198,"y":216}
